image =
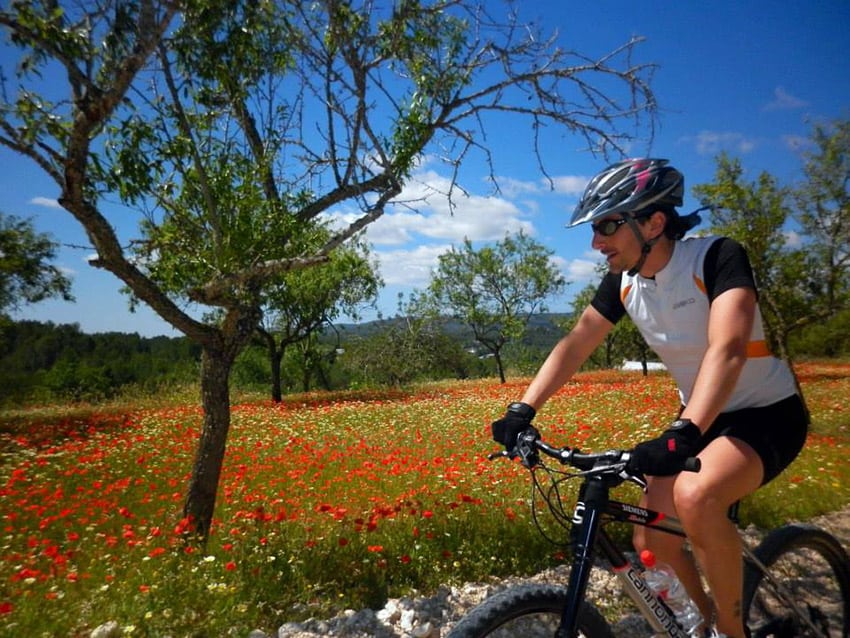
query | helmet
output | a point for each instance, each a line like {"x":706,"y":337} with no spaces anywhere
{"x":628,"y":187}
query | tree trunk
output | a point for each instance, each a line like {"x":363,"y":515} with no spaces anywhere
{"x":215,"y":398}
{"x":305,"y":377}
{"x":276,"y":359}
{"x":498,"y":356}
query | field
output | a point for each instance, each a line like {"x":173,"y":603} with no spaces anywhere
{"x":327,"y":501}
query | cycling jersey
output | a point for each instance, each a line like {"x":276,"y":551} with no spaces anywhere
{"x":671,"y":311}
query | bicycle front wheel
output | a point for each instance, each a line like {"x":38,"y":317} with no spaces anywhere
{"x":806,"y":590}
{"x":528,"y":611}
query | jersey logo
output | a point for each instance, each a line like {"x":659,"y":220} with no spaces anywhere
{"x":683,"y":303}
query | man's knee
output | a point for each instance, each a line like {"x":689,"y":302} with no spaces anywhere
{"x":696,"y":503}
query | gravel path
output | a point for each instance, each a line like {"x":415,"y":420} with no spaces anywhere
{"x":432,"y":616}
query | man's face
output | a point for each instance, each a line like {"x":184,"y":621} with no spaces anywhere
{"x":616,"y":242}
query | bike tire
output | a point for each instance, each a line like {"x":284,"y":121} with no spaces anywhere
{"x":527,"y":611}
{"x":815,"y":569}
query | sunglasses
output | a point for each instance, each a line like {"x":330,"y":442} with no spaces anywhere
{"x":608,"y":227}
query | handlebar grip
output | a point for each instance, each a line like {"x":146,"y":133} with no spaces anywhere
{"x":692,"y":464}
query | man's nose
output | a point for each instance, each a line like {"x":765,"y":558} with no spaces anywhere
{"x":597,"y":241}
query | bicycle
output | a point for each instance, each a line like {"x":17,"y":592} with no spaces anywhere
{"x":796,"y":581}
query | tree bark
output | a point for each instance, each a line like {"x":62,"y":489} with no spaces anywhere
{"x":275,"y":360}
{"x":209,"y":459}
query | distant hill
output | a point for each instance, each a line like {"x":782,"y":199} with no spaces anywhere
{"x":542,"y":330}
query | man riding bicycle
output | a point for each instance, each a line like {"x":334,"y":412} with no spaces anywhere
{"x":695,"y":302}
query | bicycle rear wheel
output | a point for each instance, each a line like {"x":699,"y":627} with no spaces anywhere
{"x":527,"y":611}
{"x":807,"y":591}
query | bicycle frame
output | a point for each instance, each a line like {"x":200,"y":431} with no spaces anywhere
{"x":593,"y":509}
{"x":588,"y":533}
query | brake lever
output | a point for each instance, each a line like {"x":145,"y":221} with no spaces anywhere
{"x":633,"y":477}
{"x":526,"y":450}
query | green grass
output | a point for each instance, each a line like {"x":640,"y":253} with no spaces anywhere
{"x":326,"y":501}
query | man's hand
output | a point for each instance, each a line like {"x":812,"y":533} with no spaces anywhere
{"x":517,"y":419}
{"x":666,"y":455}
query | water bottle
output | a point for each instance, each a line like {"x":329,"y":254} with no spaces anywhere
{"x":663,"y":581}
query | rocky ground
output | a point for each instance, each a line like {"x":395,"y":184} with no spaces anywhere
{"x":432,"y":616}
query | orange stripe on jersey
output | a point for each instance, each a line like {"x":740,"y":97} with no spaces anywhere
{"x":625,"y":293}
{"x":700,"y":284}
{"x":757,"y":349}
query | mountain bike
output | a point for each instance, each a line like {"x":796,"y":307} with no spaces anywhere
{"x":796,"y":581}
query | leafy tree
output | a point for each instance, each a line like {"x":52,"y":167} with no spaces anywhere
{"x":830,"y":338}
{"x":407,"y":348}
{"x":305,"y":301}
{"x":235,"y":126}
{"x":494,"y":290}
{"x":823,"y":211}
{"x":26,"y":276}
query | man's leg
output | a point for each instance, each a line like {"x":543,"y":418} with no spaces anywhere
{"x":668,"y":548}
{"x":730,"y":470}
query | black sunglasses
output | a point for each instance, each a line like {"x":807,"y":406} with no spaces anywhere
{"x":608,"y":227}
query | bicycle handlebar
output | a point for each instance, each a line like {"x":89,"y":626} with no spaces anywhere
{"x":616,"y":462}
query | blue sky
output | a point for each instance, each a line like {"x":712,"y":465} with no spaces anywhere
{"x":748,"y":78}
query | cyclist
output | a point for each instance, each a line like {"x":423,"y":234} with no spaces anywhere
{"x":695,"y":302}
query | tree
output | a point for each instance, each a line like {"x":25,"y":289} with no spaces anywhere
{"x":235,"y":126}
{"x":305,"y":301}
{"x":409,"y":347}
{"x":494,"y":290}
{"x":823,"y":211}
{"x":26,"y":276}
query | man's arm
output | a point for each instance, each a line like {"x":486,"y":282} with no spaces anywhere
{"x":730,"y":323}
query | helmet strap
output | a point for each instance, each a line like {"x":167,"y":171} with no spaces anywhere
{"x":646,"y":245}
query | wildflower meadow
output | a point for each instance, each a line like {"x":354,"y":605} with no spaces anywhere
{"x":327,"y":501}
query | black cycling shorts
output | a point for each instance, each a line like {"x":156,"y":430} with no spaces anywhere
{"x":777,"y":432}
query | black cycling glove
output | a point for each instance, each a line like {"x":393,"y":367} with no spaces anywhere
{"x":517,"y":419}
{"x":666,"y":455}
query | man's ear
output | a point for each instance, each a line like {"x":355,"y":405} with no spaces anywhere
{"x":657,"y":222}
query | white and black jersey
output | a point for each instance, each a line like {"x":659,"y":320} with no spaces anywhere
{"x":671,"y":311}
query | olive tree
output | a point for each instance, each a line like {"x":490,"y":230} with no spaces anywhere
{"x":304,"y":302}
{"x":823,"y":211}
{"x":26,"y":274}
{"x":494,"y":290}
{"x":231,"y":128}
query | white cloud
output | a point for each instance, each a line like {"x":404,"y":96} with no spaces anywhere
{"x":712,"y":142}
{"x":421,"y":225}
{"x":784,"y":101}
{"x":570,"y":184}
{"x":423,"y":211}
{"x":409,"y":267}
{"x":511,"y":188}
{"x":581,"y":270}
{"x":47,"y":202}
